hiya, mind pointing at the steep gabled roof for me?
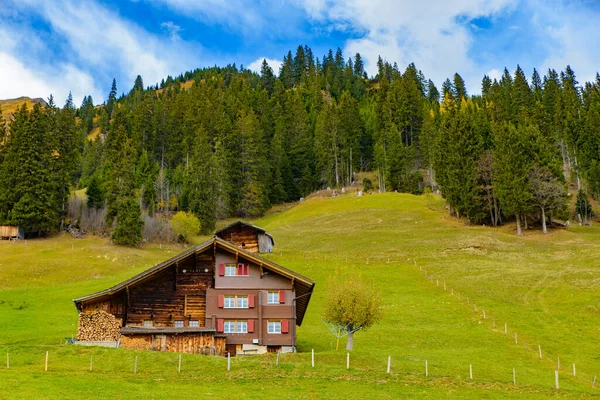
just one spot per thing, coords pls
(246, 224)
(303, 285)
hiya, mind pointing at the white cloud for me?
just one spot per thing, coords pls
(257, 64)
(406, 31)
(571, 35)
(172, 29)
(238, 14)
(19, 78)
(96, 44)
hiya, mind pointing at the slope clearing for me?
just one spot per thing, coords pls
(542, 286)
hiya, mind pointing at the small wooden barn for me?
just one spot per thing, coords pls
(211, 299)
(11, 232)
(247, 236)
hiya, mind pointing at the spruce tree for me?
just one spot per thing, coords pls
(512, 166)
(128, 231)
(112, 98)
(95, 194)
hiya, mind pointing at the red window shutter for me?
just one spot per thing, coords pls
(250, 326)
(220, 301)
(220, 325)
(281, 296)
(246, 269)
(221, 269)
(284, 326)
(250, 301)
(240, 269)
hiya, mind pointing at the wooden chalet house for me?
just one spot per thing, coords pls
(217, 297)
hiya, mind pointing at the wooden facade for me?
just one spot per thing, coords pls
(248, 237)
(11, 232)
(213, 297)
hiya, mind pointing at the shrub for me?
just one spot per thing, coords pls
(185, 225)
(367, 184)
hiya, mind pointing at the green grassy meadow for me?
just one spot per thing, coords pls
(544, 287)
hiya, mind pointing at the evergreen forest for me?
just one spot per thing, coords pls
(225, 142)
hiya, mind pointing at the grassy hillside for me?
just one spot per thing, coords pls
(10, 106)
(543, 286)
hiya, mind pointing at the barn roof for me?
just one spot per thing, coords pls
(246, 224)
(303, 285)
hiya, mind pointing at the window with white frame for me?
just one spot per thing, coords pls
(194, 324)
(148, 323)
(235, 326)
(273, 298)
(235, 302)
(229, 302)
(274, 327)
(178, 324)
(230, 270)
(241, 327)
(242, 301)
(229, 327)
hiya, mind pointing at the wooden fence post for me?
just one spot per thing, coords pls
(505, 329)
(228, 361)
(574, 371)
(514, 376)
(179, 365)
(389, 364)
(46, 363)
(348, 361)
(482, 310)
(313, 358)
(556, 379)
(516, 341)
(540, 351)
(594, 382)
(471, 371)
(558, 363)
(135, 365)
(426, 369)
(278, 353)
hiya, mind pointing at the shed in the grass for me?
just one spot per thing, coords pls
(11, 232)
(247, 236)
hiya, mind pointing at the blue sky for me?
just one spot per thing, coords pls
(55, 47)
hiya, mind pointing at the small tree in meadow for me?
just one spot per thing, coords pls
(584, 208)
(353, 304)
(185, 225)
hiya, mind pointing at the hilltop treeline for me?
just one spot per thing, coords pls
(223, 142)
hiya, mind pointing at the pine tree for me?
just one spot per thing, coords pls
(26, 191)
(512, 165)
(128, 230)
(95, 194)
(266, 76)
(254, 200)
(460, 89)
(112, 97)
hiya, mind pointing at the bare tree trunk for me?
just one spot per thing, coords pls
(350, 342)
(496, 213)
(519, 232)
(544, 221)
(337, 175)
(525, 220)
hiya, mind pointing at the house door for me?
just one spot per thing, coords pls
(160, 342)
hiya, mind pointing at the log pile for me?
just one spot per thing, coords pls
(98, 326)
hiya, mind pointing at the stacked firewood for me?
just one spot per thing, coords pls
(98, 326)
